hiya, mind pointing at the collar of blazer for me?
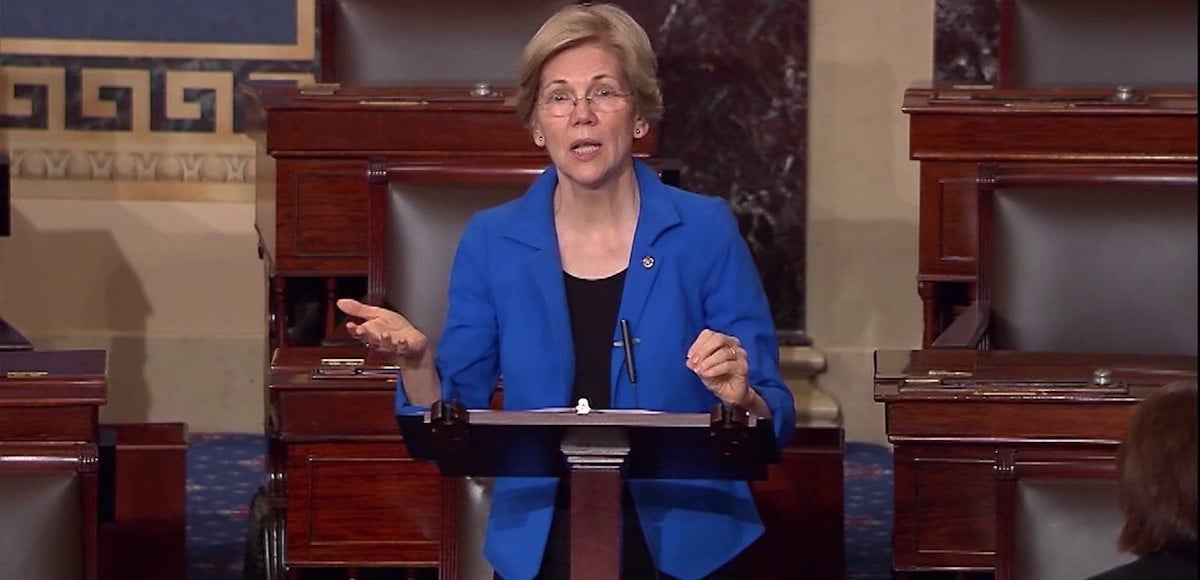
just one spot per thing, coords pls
(533, 222)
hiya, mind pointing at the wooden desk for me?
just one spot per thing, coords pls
(49, 413)
(952, 131)
(802, 505)
(343, 490)
(956, 416)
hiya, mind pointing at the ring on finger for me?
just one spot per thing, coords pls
(732, 353)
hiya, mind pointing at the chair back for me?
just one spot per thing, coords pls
(1097, 43)
(1066, 528)
(422, 227)
(448, 42)
(1057, 515)
(40, 525)
(1090, 262)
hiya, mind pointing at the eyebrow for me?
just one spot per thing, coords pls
(599, 77)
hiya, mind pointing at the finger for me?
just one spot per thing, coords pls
(711, 368)
(701, 347)
(350, 306)
(399, 343)
(415, 342)
(357, 309)
(715, 350)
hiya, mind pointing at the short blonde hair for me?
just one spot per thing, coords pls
(603, 24)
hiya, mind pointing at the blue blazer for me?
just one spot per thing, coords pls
(689, 269)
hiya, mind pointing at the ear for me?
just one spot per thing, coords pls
(539, 138)
(641, 128)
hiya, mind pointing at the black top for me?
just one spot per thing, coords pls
(593, 307)
(1155, 566)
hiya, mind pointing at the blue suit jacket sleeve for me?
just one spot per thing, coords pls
(736, 304)
(467, 359)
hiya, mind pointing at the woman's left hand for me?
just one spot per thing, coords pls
(720, 362)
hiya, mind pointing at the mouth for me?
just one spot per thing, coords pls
(585, 146)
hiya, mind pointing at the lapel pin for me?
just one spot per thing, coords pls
(648, 262)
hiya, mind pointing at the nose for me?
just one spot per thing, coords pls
(582, 112)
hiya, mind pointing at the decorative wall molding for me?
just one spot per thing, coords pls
(75, 165)
(115, 119)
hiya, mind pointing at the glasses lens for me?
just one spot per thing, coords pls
(561, 104)
(559, 108)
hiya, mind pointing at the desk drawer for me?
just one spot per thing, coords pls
(335, 413)
(48, 423)
(367, 503)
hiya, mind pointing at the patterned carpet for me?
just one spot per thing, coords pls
(224, 470)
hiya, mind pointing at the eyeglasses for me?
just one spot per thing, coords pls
(600, 99)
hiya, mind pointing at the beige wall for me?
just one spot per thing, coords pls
(862, 191)
(175, 290)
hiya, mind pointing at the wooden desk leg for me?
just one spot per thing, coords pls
(595, 524)
(595, 456)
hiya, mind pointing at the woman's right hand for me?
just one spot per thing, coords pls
(384, 330)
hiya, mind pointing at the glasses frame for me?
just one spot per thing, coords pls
(621, 97)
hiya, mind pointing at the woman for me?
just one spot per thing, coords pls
(542, 287)
(1156, 487)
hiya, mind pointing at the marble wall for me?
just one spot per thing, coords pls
(965, 40)
(735, 82)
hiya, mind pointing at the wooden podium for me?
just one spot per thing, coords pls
(596, 451)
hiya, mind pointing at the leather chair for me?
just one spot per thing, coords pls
(1098, 259)
(40, 526)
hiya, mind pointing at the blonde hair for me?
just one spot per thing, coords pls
(603, 24)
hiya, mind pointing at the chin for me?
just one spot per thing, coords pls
(591, 174)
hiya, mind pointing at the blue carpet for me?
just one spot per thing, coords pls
(224, 470)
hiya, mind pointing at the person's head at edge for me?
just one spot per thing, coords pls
(1156, 481)
(597, 62)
